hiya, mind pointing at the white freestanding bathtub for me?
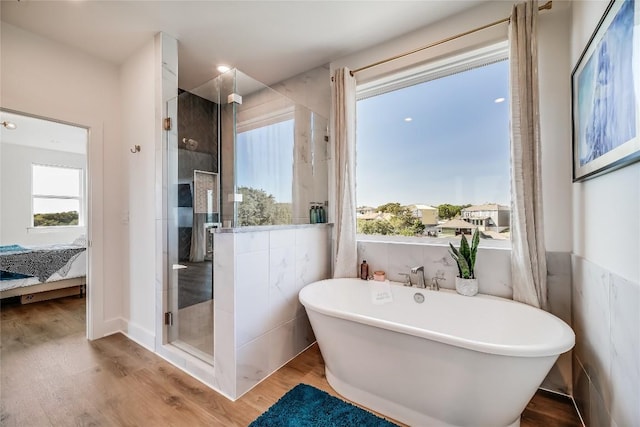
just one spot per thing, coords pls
(451, 360)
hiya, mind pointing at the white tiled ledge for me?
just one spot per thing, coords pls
(255, 228)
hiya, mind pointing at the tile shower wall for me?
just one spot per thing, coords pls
(256, 295)
(310, 90)
(311, 153)
(197, 121)
(606, 319)
(494, 271)
(311, 163)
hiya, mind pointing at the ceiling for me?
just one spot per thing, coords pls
(44, 134)
(268, 40)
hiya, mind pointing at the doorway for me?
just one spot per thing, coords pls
(44, 249)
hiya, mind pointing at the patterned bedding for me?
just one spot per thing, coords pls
(17, 262)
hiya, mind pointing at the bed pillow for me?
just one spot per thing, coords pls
(81, 241)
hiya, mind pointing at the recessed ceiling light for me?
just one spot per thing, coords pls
(408, 119)
(498, 100)
(223, 68)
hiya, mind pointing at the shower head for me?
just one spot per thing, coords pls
(190, 144)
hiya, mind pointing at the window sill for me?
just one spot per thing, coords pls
(55, 229)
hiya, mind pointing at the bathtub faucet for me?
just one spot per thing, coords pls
(435, 286)
(419, 271)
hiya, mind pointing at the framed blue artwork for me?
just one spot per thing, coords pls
(605, 91)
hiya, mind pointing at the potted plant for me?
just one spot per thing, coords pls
(465, 257)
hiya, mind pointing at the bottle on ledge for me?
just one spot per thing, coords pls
(364, 270)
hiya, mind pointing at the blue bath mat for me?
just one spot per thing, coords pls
(304, 405)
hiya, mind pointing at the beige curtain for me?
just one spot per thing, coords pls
(528, 262)
(343, 132)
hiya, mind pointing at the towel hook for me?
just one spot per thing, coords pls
(135, 149)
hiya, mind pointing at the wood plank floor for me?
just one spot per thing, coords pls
(52, 376)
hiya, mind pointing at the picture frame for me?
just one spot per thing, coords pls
(605, 95)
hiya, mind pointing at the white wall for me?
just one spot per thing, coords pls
(606, 277)
(138, 121)
(140, 111)
(44, 78)
(310, 89)
(606, 226)
(605, 209)
(555, 126)
(471, 18)
(15, 194)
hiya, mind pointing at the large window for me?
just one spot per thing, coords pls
(56, 196)
(433, 151)
(264, 176)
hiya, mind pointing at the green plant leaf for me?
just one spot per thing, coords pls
(464, 248)
(465, 257)
(474, 251)
(464, 269)
(456, 256)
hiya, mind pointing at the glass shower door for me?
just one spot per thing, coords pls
(193, 204)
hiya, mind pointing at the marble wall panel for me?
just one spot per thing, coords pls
(581, 390)
(269, 325)
(559, 288)
(625, 351)
(252, 363)
(283, 293)
(252, 295)
(606, 318)
(594, 346)
(224, 271)
(282, 346)
(493, 265)
(224, 358)
(302, 193)
(377, 256)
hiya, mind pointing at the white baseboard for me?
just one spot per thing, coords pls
(110, 327)
(140, 335)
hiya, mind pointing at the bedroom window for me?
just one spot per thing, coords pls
(56, 196)
(433, 151)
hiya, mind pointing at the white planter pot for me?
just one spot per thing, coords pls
(468, 287)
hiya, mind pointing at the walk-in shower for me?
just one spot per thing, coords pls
(240, 154)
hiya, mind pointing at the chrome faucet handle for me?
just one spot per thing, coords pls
(419, 271)
(434, 283)
(407, 279)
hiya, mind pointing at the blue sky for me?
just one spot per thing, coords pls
(454, 150)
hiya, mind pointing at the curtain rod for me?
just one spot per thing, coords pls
(547, 5)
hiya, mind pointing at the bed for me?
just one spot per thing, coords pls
(42, 272)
